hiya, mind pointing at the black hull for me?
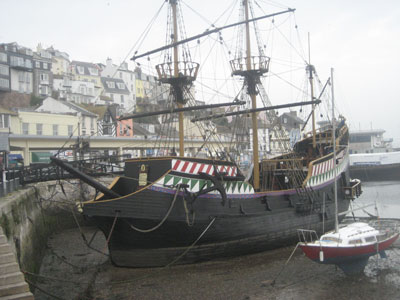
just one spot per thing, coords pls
(376, 173)
(243, 228)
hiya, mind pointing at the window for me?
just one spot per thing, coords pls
(28, 63)
(44, 77)
(360, 138)
(25, 128)
(92, 123)
(28, 77)
(3, 57)
(122, 98)
(112, 96)
(120, 74)
(120, 85)
(83, 122)
(4, 83)
(55, 129)
(37, 64)
(82, 89)
(4, 70)
(93, 71)
(21, 77)
(44, 90)
(370, 239)
(4, 121)
(354, 242)
(110, 84)
(70, 130)
(45, 66)
(80, 69)
(39, 129)
(17, 61)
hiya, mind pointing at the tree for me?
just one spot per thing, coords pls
(35, 100)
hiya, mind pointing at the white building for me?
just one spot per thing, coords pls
(111, 70)
(87, 119)
(116, 89)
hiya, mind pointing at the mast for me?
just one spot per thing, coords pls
(252, 93)
(176, 74)
(334, 153)
(311, 69)
(311, 78)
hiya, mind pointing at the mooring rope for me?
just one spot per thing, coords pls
(163, 220)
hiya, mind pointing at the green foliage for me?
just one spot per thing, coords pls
(35, 100)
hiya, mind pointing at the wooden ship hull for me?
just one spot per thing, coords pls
(170, 219)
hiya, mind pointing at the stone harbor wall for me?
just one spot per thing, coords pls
(30, 215)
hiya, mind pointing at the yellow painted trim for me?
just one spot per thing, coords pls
(110, 186)
(138, 191)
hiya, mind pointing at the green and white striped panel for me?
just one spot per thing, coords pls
(231, 187)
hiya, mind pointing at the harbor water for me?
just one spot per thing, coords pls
(71, 270)
(386, 195)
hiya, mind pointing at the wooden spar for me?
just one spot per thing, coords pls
(176, 74)
(320, 95)
(256, 166)
(175, 110)
(209, 32)
(310, 68)
(85, 178)
(248, 111)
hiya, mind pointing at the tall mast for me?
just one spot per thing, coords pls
(251, 68)
(176, 74)
(334, 153)
(311, 78)
(252, 93)
(311, 69)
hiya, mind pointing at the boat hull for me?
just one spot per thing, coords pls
(351, 259)
(241, 226)
(196, 209)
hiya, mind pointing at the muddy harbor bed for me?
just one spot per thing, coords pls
(70, 270)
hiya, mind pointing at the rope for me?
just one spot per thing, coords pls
(276, 277)
(188, 222)
(112, 230)
(84, 237)
(163, 220)
(192, 245)
(43, 291)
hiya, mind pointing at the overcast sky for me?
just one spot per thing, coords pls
(359, 39)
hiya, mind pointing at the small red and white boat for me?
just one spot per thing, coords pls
(349, 247)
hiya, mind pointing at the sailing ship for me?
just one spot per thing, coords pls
(180, 209)
(350, 246)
